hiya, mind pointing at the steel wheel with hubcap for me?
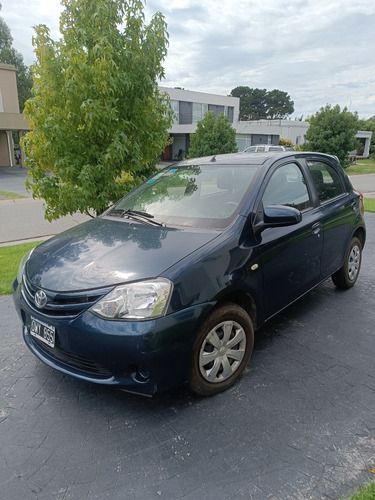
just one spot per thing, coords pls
(221, 351)
(347, 275)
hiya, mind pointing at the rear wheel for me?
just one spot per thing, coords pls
(221, 350)
(348, 274)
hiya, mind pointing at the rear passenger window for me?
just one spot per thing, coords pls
(327, 181)
(287, 187)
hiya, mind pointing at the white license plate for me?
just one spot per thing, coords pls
(42, 331)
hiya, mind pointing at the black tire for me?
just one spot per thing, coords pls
(347, 275)
(221, 350)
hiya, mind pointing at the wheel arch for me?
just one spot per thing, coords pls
(244, 300)
(360, 233)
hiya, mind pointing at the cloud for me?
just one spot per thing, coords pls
(319, 52)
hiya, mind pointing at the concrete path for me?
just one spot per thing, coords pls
(364, 183)
(23, 219)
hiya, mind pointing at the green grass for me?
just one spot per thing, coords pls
(10, 195)
(10, 258)
(362, 167)
(369, 207)
(364, 493)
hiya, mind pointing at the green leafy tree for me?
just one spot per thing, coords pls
(252, 102)
(279, 104)
(332, 131)
(213, 136)
(98, 121)
(256, 104)
(286, 142)
(9, 55)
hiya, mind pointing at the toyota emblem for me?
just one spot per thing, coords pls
(40, 299)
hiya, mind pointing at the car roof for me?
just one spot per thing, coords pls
(265, 146)
(244, 158)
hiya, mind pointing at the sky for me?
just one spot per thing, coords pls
(318, 51)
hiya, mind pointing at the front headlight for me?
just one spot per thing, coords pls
(22, 265)
(141, 300)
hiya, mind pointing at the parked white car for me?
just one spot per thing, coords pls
(261, 148)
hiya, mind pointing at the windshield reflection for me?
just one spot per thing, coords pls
(206, 196)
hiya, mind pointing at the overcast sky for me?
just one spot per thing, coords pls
(318, 51)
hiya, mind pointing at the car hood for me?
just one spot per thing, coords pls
(105, 252)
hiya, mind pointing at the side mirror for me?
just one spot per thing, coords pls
(280, 215)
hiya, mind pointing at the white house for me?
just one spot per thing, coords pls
(189, 108)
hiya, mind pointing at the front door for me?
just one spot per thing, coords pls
(290, 255)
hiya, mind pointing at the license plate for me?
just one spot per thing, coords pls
(43, 332)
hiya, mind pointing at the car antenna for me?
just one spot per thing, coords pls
(213, 158)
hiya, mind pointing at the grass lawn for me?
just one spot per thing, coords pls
(10, 258)
(369, 204)
(362, 167)
(10, 195)
(364, 493)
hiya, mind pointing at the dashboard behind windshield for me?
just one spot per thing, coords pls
(191, 195)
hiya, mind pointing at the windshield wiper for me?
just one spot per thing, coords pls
(136, 215)
(137, 212)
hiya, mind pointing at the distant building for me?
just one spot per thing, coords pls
(189, 108)
(11, 120)
(269, 132)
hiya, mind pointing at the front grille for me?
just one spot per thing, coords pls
(62, 303)
(73, 360)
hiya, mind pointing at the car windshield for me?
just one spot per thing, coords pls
(189, 195)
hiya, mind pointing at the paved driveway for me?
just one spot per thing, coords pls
(300, 424)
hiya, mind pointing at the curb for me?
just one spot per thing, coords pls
(9, 201)
(28, 240)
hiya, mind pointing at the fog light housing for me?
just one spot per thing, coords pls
(141, 374)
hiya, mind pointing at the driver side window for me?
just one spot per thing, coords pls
(287, 186)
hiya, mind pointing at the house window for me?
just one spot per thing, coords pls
(1, 102)
(176, 110)
(199, 110)
(243, 141)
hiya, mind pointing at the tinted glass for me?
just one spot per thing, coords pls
(198, 195)
(327, 181)
(287, 186)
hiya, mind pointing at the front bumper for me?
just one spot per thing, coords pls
(138, 356)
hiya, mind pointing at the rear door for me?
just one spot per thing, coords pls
(337, 208)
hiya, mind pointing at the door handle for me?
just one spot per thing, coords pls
(316, 228)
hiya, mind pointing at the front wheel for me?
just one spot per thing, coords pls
(347, 275)
(221, 350)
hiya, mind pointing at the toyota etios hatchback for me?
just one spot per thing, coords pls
(169, 284)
